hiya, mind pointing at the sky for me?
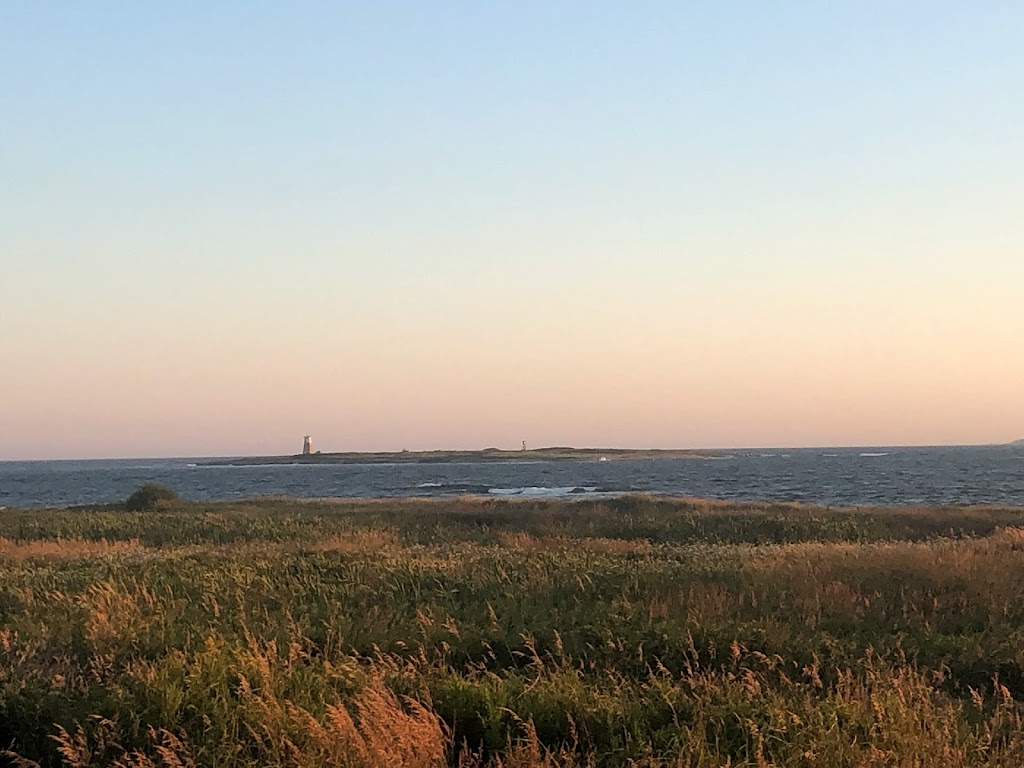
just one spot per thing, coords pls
(462, 224)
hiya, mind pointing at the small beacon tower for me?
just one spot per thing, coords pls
(307, 445)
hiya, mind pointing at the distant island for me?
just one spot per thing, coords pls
(1018, 442)
(487, 455)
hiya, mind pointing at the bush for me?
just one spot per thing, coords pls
(149, 497)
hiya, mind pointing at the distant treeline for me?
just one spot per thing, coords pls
(482, 456)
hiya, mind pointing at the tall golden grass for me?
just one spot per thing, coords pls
(502, 636)
(64, 548)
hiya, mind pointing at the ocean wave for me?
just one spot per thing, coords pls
(873, 455)
(268, 465)
(434, 488)
(451, 489)
(540, 490)
(222, 466)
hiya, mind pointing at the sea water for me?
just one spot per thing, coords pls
(828, 476)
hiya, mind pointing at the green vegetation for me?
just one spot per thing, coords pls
(633, 631)
(150, 497)
(484, 456)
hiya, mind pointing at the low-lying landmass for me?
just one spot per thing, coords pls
(633, 631)
(483, 456)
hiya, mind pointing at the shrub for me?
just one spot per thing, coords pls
(149, 497)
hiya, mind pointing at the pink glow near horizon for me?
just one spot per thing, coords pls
(751, 373)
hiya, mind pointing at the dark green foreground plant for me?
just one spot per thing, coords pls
(151, 497)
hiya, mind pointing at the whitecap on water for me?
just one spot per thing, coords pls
(539, 490)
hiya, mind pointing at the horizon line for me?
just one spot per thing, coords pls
(845, 446)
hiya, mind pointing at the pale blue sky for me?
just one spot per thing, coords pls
(225, 224)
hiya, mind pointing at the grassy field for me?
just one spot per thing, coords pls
(633, 631)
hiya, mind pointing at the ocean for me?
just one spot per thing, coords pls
(826, 476)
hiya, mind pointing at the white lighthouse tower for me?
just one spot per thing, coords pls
(307, 445)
